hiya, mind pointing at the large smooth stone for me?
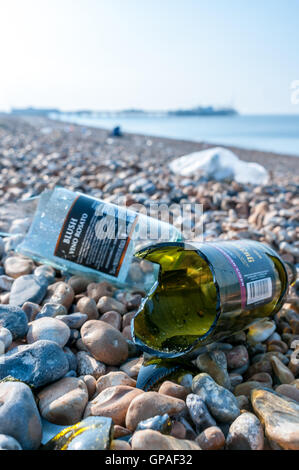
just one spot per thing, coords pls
(64, 401)
(154, 440)
(280, 417)
(113, 402)
(28, 288)
(150, 404)
(36, 364)
(221, 403)
(104, 342)
(245, 433)
(19, 416)
(50, 329)
(15, 320)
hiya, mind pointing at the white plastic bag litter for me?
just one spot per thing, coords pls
(219, 163)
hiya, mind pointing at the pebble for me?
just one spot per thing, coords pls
(104, 342)
(9, 443)
(88, 365)
(118, 444)
(90, 383)
(288, 391)
(294, 362)
(260, 331)
(36, 364)
(31, 309)
(245, 433)
(132, 367)
(71, 357)
(64, 401)
(113, 402)
(246, 388)
(63, 294)
(5, 337)
(14, 319)
(237, 357)
(6, 282)
(126, 332)
(96, 290)
(28, 288)
(235, 379)
(211, 438)
(120, 431)
(154, 440)
(45, 271)
(127, 318)
(112, 318)
(113, 379)
(48, 328)
(150, 404)
(16, 266)
(280, 418)
(282, 372)
(88, 307)
(78, 284)
(199, 412)
(243, 402)
(2, 247)
(73, 320)
(19, 416)
(178, 430)
(106, 304)
(221, 403)
(215, 364)
(173, 390)
(262, 377)
(51, 310)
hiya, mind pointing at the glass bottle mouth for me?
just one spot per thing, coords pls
(183, 306)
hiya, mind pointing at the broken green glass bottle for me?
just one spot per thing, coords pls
(206, 292)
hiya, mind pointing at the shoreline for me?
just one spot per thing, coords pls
(283, 163)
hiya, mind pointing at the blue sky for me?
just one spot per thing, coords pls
(154, 54)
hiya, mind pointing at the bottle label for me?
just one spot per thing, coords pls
(96, 235)
(244, 272)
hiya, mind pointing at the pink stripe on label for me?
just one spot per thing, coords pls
(239, 276)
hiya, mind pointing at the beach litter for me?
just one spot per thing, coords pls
(220, 164)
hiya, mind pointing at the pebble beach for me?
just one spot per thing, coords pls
(66, 351)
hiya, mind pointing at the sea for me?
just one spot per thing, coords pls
(271, 133)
